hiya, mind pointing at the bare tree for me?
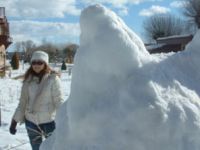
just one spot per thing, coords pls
(162, 26)
(69, 52)
(28, 48)
(51, 49)
(192, 11)
(18, 46)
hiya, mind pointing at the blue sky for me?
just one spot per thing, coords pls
(57, 21)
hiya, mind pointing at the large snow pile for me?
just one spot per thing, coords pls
(122, 98)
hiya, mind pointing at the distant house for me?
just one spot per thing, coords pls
(5, 39)
(169, 44)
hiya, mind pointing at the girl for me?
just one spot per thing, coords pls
(40, 97)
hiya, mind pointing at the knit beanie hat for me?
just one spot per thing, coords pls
(40, 55)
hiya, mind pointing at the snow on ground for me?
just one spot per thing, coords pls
(10, 93)
(123, 98)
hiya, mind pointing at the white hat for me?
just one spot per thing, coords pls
(40, 55)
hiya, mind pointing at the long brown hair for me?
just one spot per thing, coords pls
(46, 70)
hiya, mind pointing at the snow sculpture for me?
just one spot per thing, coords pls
(122, 98)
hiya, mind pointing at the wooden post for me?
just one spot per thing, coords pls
(2, 60)
(4, 55)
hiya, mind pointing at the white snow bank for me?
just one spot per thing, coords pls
(122, 98)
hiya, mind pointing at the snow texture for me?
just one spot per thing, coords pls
(123, 98)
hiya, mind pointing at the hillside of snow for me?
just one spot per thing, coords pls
(123, 98)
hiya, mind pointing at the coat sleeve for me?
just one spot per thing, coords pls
(19, 114)
(57, 94)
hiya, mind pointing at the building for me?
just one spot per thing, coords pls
(5, 40)
(169, 44)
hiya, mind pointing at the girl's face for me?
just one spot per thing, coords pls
(38, 65)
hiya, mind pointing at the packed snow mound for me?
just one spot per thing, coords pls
(194, 43)
(100, 24)
(122, 98)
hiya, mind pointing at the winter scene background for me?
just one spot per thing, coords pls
(119, 97)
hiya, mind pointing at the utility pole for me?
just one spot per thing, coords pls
(4, 69)
(24, 56)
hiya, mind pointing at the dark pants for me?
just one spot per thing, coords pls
(37, 132)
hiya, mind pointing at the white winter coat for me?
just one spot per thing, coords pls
(38, 102)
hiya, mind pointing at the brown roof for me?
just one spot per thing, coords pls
(170, 44)
(182, 39)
